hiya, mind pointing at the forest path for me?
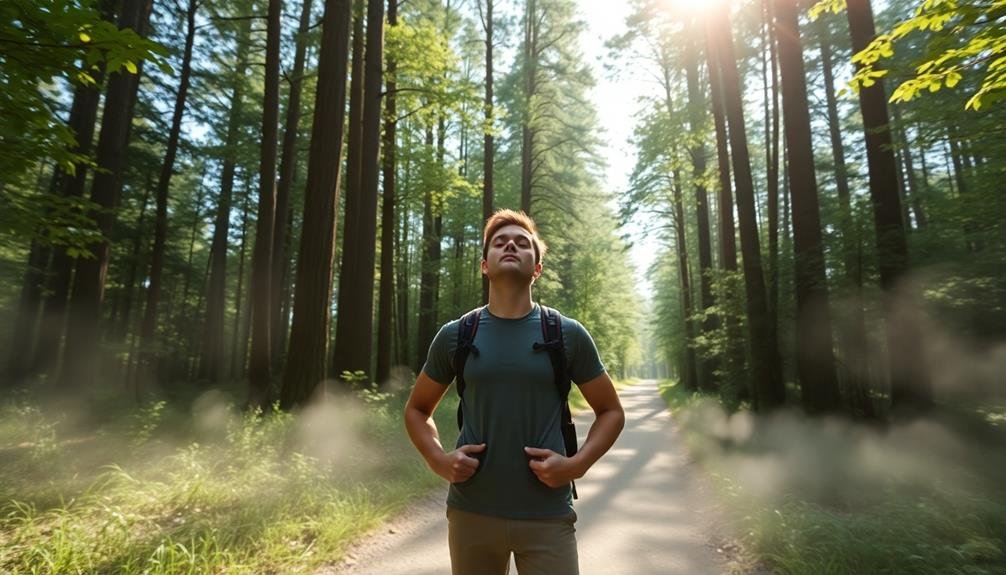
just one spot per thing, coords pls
(642, 509)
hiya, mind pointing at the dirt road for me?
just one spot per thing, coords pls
(642, 510)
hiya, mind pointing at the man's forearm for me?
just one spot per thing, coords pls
(423, 433)
(602, 435)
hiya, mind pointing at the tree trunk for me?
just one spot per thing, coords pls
(305, 366)
(149, 346)
(725, 210)
(385, 308)
(351, 238)
(354, 329)
(239, 353)
(912, 191)
(26, 319)
(772, 171)
(487, 139)
(402, 289)
(852, 324)
(768, 386)
(697, 152)
(429, 269)
(89, 285)
(815, 358)
(910, 384)
(530, 89)
(287, 173)
(212, 353)
(690, 373)
(262, 297)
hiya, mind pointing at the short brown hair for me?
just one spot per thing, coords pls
(507, 217)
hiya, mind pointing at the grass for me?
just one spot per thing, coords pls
(168, 490)
(858, 522)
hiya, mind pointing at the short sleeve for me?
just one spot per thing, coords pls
(440, 358)
(584, 362)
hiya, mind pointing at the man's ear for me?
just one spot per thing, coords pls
(484, 266)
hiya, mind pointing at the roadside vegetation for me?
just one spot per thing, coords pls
(166, 488)
(834, 497)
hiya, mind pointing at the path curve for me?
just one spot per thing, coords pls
(642, 510)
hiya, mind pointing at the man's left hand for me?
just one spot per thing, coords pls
(551, 468)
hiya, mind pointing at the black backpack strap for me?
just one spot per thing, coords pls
(551, 330)
(467, 327)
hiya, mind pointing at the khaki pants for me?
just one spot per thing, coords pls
(481, 544)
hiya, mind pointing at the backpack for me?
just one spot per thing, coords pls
(551, 330)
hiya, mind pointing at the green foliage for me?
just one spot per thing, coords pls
(961, 38)
(889, 522)
(260, 494)
(47, 44)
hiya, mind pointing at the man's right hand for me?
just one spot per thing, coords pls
(459, 465)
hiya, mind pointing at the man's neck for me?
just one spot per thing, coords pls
(509, 302)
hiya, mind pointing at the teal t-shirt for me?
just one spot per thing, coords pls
(511, 402)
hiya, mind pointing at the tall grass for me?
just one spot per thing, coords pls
(165, 491)
(947, 515)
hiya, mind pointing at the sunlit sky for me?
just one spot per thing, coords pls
(615, 102)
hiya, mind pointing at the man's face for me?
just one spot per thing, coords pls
(511, 252)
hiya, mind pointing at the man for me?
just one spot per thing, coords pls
(510, 479)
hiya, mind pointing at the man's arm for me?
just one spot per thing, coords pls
(555, 470)
(455, 466)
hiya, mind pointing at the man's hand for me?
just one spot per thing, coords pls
(551, 468)
(459, 465)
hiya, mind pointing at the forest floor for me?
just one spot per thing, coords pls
(644, 508)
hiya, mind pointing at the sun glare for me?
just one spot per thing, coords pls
(691, 7)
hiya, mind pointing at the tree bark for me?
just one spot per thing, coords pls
(212, 353)
(910, 384)
(429, 270)
(772, 170)
(287, 174)
(351, 238)
(487, 139)
(89, 285)
(697, 152)
(851, 325)
(815, 358)
(768, 388)
(149, 346)
(305, 366)
(262, 297)
(690, 372)
(530, 72)
(354, 328)
(239, 353)
(725, 210)
(385, 333)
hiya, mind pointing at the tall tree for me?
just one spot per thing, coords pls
(150, 314)
(487, 138)
(287, 173)
(697, 152)
(89, 280)
(305, 366)
(910, 383)
(768, 386)
(385, 307)
(351, 238)
(212, 352)
(814, 355)
(354, 335)
(262, 297)
(772, 161)
(530, 78)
